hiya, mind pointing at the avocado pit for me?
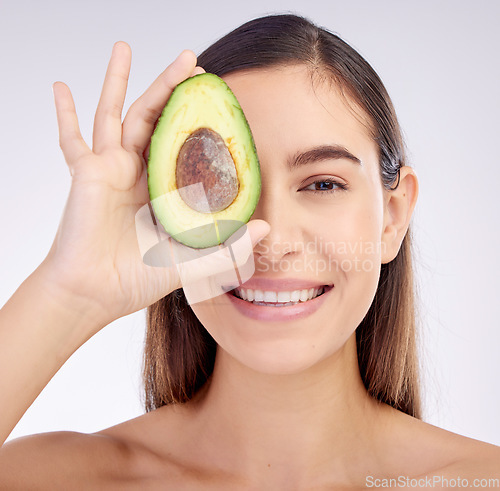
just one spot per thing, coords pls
(204, 158)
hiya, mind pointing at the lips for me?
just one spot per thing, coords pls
(279, 311)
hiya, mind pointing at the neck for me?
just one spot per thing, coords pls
(300, 423)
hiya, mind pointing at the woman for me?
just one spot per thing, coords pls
(317, 394)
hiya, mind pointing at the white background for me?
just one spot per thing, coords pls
(440, 63)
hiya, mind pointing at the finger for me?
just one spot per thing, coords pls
(242, 245)
(146, 153)
(142, 116)
(70, 137)
(108, 117)
(197, 71)
(194, 265)
(258, 229)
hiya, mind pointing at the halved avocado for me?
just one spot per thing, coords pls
(203, 139)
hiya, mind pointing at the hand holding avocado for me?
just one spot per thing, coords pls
(94, 272)
(95, 257)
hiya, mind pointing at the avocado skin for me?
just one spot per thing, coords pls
(202, 101)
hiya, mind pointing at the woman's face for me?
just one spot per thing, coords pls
(323, 198)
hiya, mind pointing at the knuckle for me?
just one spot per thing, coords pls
(108, 110)
(150, 115)
(122, 76)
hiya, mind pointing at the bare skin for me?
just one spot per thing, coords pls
(306, 422)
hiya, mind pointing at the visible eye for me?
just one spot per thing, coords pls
(325, 186)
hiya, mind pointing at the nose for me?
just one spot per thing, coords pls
(276, 208)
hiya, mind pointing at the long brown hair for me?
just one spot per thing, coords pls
(179, 353)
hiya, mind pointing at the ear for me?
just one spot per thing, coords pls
(398, 209)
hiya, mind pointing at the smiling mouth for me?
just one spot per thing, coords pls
(279, 299)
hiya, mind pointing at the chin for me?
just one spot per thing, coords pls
(274, 348)
(276, 362)
(285, 356)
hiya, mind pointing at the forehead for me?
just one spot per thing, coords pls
(289, 109)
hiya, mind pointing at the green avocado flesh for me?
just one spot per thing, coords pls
(203, 172)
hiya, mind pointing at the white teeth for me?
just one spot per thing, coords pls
(259, 295)
(271, 297)
(284, 297)
(289, 298)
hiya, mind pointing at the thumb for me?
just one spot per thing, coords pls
(235, 251)
(258, 229)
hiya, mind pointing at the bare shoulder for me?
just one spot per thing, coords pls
(448, 454)
(475, 460)
(129, 455)
(476, 464)
(63, 460)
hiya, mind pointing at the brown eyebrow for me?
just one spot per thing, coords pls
(317, 154)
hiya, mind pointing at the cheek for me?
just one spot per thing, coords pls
(359, 256)
(349, 230)
(350, 249)
(214, 315)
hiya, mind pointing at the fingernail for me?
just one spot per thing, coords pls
(183, 53)
(53, 87)
(179, 56)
